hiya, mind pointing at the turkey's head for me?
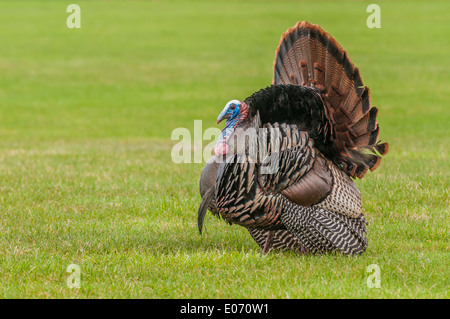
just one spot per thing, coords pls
(235, 112)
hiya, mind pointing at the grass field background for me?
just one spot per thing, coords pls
(86, 175)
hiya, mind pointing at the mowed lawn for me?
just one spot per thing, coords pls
(86, 175)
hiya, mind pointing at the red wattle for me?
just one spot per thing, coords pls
(221, 149)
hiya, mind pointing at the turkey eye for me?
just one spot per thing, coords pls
(232, 107)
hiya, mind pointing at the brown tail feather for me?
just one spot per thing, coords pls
(367, 123)
(309, 56)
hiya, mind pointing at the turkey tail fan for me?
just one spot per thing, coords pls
(309, 56)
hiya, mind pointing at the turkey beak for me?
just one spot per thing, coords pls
(222, 117)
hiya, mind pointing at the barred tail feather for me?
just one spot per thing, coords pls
(321, 230)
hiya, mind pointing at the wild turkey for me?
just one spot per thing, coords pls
(316, 127)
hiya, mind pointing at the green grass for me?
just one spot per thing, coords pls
(86, 175)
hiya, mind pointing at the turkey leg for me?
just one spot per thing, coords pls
(268, 243)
